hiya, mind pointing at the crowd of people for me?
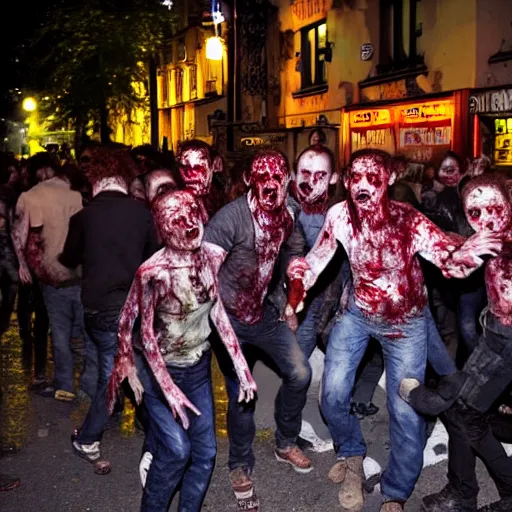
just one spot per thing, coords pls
(141, 264)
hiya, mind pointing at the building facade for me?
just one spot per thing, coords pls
(399, 75)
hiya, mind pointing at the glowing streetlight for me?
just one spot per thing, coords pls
(214, 48)
(29, 104)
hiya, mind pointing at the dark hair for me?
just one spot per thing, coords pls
(486, 180)
(456, 157)
(40, 161)
(6, 161)
(109, 161)
(381, 156)
(321, 135)
(319, 150)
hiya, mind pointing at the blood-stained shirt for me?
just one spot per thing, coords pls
(387, 278)
(498, 281)
(246, 273)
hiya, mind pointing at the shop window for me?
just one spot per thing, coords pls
(399, 33)
(179, 85)
(314, 49)
(213, 77)
(503, 141)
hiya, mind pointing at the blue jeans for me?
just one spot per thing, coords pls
(65, 312)
(275, 339)
(179, 455)
(308, 328)
(471, 305)
(97, 417)
(404, 357)
(438, 355)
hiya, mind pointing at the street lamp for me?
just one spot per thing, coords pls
(214, 49)
(29, 104)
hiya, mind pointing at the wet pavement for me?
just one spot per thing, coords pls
(36, 445)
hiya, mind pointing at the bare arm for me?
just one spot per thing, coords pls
(303, 272)
(20, 229)
(230, 341)
(124, 365)
(455, 256)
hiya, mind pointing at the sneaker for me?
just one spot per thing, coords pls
(392, 506)
(89, 452)
(361, 410)
(8, 482)
(64, 396)
(244, 490)
(144, 465)
(448, 500)
(503, 505)
(295, 457)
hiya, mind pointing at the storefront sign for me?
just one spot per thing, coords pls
(305, 9)
(370, 117)
(262, 141)
(373, 138)
(491, 101)
(427, 112)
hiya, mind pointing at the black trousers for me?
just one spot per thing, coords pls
(489, 370)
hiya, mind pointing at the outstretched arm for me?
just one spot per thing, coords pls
(230, 341)
(124, 365)
(455, 257)
(174, 396)
(303, 272)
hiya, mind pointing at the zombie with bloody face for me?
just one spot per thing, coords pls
(197, 165)
(247, 235)
(468, 396)
(382, 239)
(175, 294)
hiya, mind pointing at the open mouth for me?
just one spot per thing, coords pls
(305, 189)
(363, 196)
(270, 194)
(192, 234)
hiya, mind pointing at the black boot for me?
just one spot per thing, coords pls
(448, 500)
(503, 505)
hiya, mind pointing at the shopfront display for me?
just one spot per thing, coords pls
(492, 124)
(421, 131)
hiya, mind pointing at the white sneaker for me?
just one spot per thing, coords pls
(144, 465)
(318, 445)
(89, 452)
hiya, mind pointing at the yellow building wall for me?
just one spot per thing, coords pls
(448, 42)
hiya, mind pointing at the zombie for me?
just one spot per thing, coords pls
(197, 165)
(382, 239)
(175, 294)
(467, 398)
(246, 235)
(109, 238)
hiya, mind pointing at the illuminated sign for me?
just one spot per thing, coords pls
(427, 112)
(491, 101)
(304, 9)
(370, 117)
(262, 141)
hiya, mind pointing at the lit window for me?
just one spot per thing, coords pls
(313, 50)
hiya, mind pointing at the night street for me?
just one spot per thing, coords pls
(54, 479)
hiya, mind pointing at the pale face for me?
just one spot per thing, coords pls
(137, 190)
(367, 183)
(158, 182)
(487, 209)
(449, 173)
(314, 175)
(269, 181)
(196, 170)
(178, 219)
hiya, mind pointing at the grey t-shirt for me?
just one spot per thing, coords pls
(232, 228)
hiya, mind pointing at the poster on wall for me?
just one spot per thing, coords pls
(424, 144)
(373, 138)
(503, 141)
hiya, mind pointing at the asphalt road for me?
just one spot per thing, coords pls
(55, 480)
